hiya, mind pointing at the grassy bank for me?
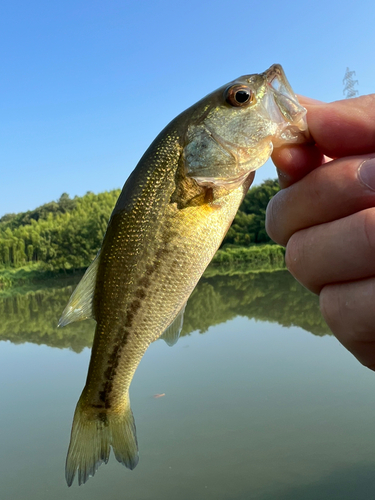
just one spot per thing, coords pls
(36, 277)
(255, 257)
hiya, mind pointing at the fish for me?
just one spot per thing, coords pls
(170, 218)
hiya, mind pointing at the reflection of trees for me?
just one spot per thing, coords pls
(33, 317)
(267, 296)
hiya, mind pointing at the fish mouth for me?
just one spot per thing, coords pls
(284, 107)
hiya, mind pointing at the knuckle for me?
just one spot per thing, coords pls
(347, 313)
(331, 306)
(270, 223)
(294, 254)
(315, 188)
(301, 262)
(368, 228)
(340, 312)
(273, 223)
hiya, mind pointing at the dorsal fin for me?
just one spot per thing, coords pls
(80, 303)
(172, 333)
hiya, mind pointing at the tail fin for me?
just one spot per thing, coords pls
(91, 438)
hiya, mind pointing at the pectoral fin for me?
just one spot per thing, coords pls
(172, 333)
(80, 303)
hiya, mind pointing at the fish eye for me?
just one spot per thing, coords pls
(239, 95)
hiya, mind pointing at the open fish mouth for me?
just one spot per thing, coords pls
(283, 106)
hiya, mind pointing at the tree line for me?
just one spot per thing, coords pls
(60, 235)
(66, 234)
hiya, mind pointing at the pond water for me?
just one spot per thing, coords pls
(259, 401)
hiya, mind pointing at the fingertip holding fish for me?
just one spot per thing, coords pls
(293, 162)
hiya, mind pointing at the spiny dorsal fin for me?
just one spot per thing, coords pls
(80, 303)
(172, 333)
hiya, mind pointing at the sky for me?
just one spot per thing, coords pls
(86, 85)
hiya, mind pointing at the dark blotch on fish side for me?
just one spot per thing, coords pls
(145, 282)
(113, 362)
(102, 416)
(133, 308)
(122, 335)
(140, 293)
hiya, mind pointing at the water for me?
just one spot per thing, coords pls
(260, 401)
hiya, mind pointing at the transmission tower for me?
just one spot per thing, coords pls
(349, 90)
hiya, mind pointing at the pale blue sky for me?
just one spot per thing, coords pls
(85, 85)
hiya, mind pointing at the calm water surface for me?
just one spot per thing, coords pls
(260, 401)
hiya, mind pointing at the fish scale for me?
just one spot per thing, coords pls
(169, 220)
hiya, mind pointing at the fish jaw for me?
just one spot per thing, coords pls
(283, 107)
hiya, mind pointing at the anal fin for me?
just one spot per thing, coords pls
(172, 333)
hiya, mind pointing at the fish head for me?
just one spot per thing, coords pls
(234, 130)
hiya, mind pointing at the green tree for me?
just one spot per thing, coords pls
(248, 226)
(67, 233)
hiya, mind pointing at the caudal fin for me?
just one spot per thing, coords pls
(91, 440)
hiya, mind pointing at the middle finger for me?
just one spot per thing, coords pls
(337, 251)
(334, 190)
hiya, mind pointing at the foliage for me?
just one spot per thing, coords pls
(248, 226)
(256, 257)
(61, 235)
(67, 234)
(63, 205)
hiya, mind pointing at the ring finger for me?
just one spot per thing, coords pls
(337, 251)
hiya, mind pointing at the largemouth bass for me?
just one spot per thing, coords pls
(170, 218)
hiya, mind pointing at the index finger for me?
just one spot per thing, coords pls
(341, 128)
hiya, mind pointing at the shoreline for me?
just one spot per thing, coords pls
(228, 260)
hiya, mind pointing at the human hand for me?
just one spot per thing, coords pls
(325, 215)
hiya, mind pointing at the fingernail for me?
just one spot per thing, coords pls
(366, 173)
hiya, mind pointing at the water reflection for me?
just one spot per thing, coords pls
(219, 296)
(252, 410)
